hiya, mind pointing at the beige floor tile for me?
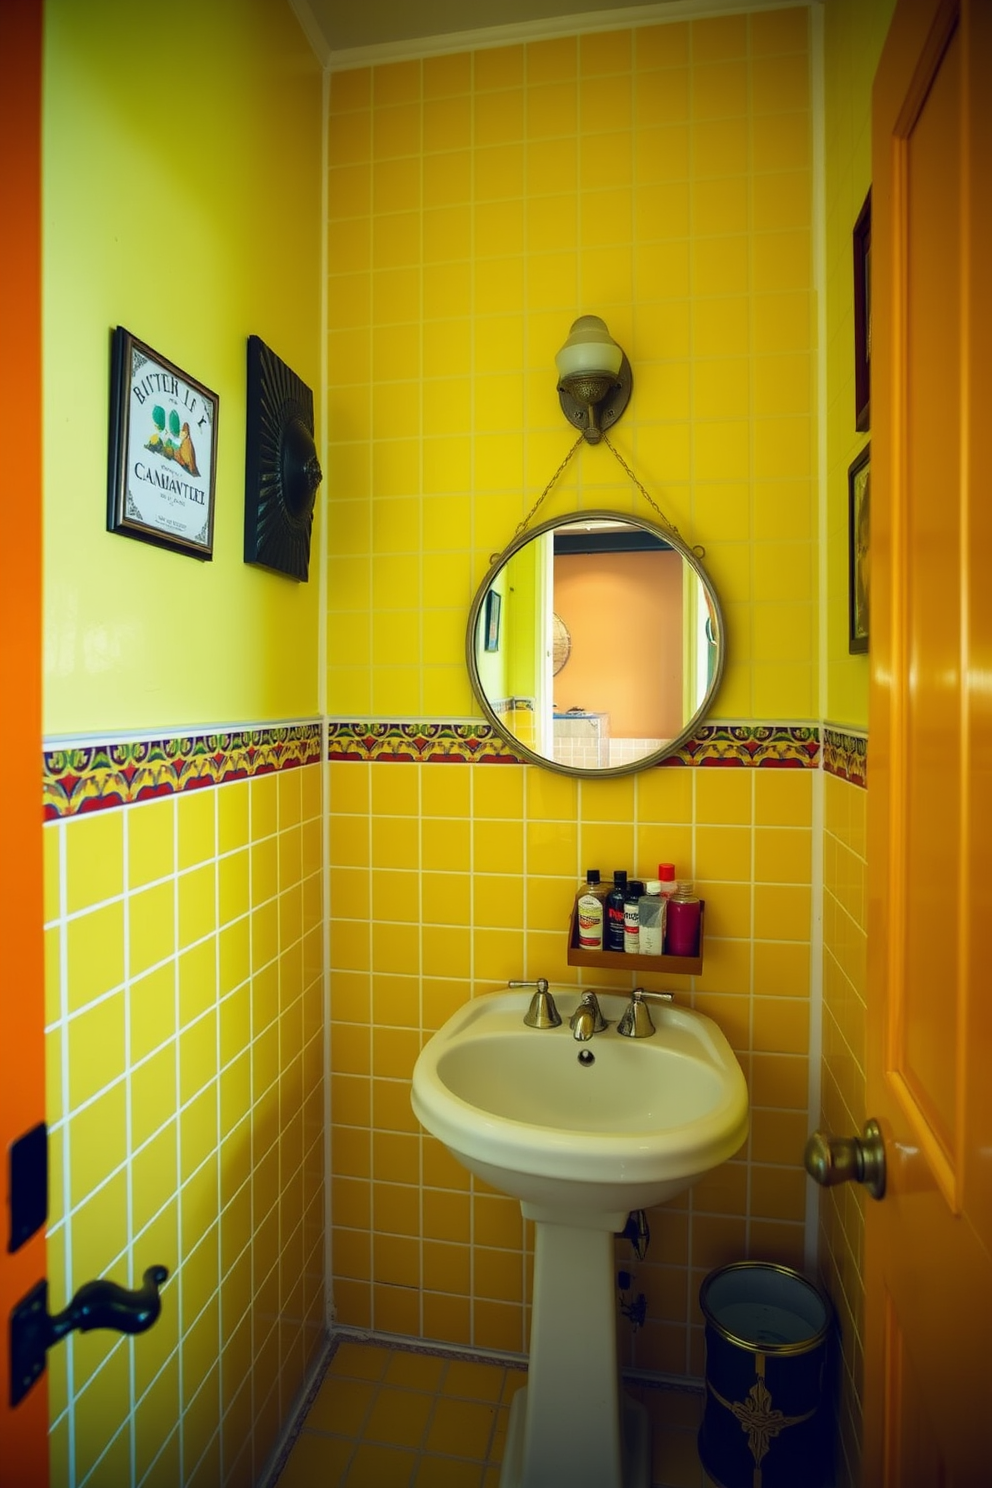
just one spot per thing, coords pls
(448, 1472)
(398, 1418)
(341, 1405)
(467, 1380)
(461, 1428)
(415, 1371)
(380, 1467)
(316, 1459)
(360, 1360)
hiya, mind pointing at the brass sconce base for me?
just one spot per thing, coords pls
(593, 403)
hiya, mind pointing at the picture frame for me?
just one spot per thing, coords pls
(494, 605)
(162, 466)
(862, 318)
(859, 551)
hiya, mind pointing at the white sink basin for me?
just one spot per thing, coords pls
(634, 1127)
(581, 1133)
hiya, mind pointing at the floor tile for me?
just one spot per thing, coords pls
(316, 1459)
(461, 1428)
(341, 1405)
(398, 1418)
(405, 1417)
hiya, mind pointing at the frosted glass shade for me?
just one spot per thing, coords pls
(589, 349)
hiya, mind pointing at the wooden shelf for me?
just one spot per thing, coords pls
(622, 961)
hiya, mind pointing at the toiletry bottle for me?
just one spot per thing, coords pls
(666, 877)
(682, 935)
(589, 911)
(651, 914)
(631, 920)
(613, 932)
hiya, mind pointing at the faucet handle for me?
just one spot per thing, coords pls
(591, 1001)
(542, 1012)
(636, 1021)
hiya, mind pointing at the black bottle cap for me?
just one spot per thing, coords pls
(619, 877)
(592, 875)
(635, 888)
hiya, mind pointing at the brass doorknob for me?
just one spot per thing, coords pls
(831, 1160)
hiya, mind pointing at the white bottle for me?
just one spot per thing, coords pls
(651, 913)
(589, 912)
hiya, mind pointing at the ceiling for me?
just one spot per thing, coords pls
(343, 26)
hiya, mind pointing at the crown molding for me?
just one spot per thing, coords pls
(484, 38)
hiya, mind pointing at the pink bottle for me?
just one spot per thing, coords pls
(682, 917)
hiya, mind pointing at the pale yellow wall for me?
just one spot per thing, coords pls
(478, 203)
(184, 997)
(854, 31)
(853, 34)
(181, 200)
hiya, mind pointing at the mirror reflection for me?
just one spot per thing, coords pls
(595, 643)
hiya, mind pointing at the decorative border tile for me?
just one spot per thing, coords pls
(419, 743)
(846, 756)
(774, 746)
(96, 777)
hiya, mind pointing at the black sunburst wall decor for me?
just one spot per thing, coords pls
(282, 472)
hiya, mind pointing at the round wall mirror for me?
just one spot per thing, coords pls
(645, 643)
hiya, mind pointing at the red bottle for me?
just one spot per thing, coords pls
(682, 922)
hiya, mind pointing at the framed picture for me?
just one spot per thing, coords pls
(862, 317)
(494, 603)
(163, 451)
(859, 551)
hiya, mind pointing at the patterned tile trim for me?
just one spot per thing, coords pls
(419, 743)
(846, 756)
(95, 777)
(774, 746)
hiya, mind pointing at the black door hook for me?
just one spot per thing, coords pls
(97, 1304)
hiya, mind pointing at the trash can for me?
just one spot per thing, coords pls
(765, 1424)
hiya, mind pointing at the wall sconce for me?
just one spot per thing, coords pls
(594, 378)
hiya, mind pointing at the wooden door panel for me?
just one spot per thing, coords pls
(913, 1457)
(924, 1052)
(928, 1244)
(23, 1429)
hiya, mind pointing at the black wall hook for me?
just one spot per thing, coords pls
(97, 1304)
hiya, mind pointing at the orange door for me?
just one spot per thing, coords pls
(928, 1244)
(23, 1430)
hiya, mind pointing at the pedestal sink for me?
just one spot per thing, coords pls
(581, 1133)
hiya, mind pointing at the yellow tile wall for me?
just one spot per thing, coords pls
(843, 1089)
(448, 880)
(854, 31)
(185, 1049)
(661, 177)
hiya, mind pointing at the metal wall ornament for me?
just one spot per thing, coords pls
(162, 451)
(282, 472)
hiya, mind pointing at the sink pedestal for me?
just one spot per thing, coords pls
(571, 1424)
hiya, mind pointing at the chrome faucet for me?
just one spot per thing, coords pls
(542, 1012)
(587, 1018)
(636, 1020)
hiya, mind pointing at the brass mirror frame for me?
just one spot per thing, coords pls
(673, 540)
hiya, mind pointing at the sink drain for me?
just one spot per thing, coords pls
(587, 1057)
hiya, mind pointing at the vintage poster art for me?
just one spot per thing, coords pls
(163, 451)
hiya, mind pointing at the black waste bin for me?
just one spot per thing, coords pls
(766, 1424)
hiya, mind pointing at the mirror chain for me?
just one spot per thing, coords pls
(521, 526)
(699, 550)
